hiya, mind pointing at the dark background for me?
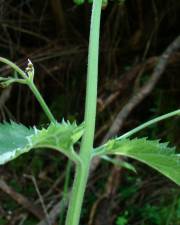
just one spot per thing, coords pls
(54, 35)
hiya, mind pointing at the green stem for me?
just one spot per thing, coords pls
(92, 79)
(150, 122)
(14, 66)
(41, 101)
(65, 191)
(31, 86)
(82, 169)
(77, 195)
(101, 149)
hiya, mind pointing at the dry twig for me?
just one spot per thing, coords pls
(20, 199)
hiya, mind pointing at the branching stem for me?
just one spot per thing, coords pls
(82, 169)
(14, 66)
(32, 86)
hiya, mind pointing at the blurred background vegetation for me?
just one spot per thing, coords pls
(54, 35)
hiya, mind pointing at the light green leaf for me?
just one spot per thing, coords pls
(153, 153)
(16, 139)
(13, 140)
(59, 136)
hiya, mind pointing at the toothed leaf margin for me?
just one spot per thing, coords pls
(153, 153)
(16, 139)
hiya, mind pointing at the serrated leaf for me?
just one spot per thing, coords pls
(59, 136)
(153, 153)
(16, 139)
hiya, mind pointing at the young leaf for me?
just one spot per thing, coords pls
(16, 139)
(59, 136)
(157, 155)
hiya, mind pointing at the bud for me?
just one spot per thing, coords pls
(30, 65)
(30, 69)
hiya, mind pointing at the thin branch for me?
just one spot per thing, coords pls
(137, 98)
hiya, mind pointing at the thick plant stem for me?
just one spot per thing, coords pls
(92, 80)
(82, 169)
(41, 101)
(77, 195)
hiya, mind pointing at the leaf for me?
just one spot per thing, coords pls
(16, 139)
(57, 136)
(13, 140)
(153, 153)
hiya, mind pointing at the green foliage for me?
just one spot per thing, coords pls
(122, 220)
(13, 138)
(78, 2)
(153, 153)
(152, 214)
(158, 214)
(57, 136)
(16, 139)
(153, 208)
(3, 221)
